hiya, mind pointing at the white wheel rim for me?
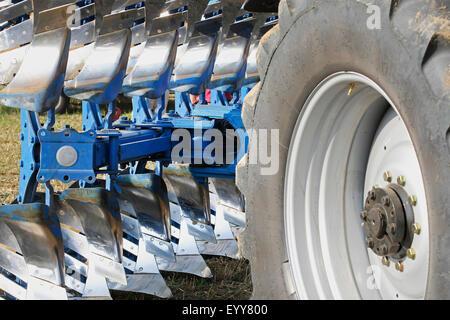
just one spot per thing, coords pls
(336, 155)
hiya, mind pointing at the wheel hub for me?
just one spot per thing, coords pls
(387, 219)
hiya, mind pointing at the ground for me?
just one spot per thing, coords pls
(231, 277)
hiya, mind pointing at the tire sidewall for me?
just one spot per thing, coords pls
(324, 41)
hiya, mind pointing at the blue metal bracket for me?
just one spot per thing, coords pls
(92, 116)
(53, 144)
(29, 165)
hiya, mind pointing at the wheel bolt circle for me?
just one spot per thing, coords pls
(411, 253)
(416, 228)
(412, 200)
(399, 266)
(401, 180)
(387, 176)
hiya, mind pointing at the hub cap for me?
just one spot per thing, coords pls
(388, 222)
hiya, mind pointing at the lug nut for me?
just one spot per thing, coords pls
(372, 194)
(401, 180)
(412, 200)
(387, 176)
(416, 228)
(411, 253)
(386, 261)
(384, 249)
(386, 201)
(399, 266)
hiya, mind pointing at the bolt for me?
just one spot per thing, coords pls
(386, 261)
(392, 228)
(372, 194)
(384, 249)
(386, 201)
(363, 215)
(401, 180)
(416, 228)
(411, 253)
(387, 176)
(369, 243)
(412, 200)
(399, 266)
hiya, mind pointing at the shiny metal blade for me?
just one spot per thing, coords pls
(226, 241)
(98, 213)
(81, 275)
(32, 238)
(149, 283)
(147, 194)
(143, 273)
(195, 11)
(188, 258)
(144, 197)
(41, 74)
(227, 193)
(11, 62)
(193, 264)
(193, 198)
(229, 196)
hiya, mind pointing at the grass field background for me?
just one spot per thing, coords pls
(231, 280)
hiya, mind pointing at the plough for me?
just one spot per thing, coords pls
(309, 136)
(120, 223)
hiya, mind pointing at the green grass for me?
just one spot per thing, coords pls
(231, 281)
(231, 278)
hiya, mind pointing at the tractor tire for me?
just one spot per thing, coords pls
(405, 57)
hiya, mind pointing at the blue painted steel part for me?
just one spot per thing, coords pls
(103, 146)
